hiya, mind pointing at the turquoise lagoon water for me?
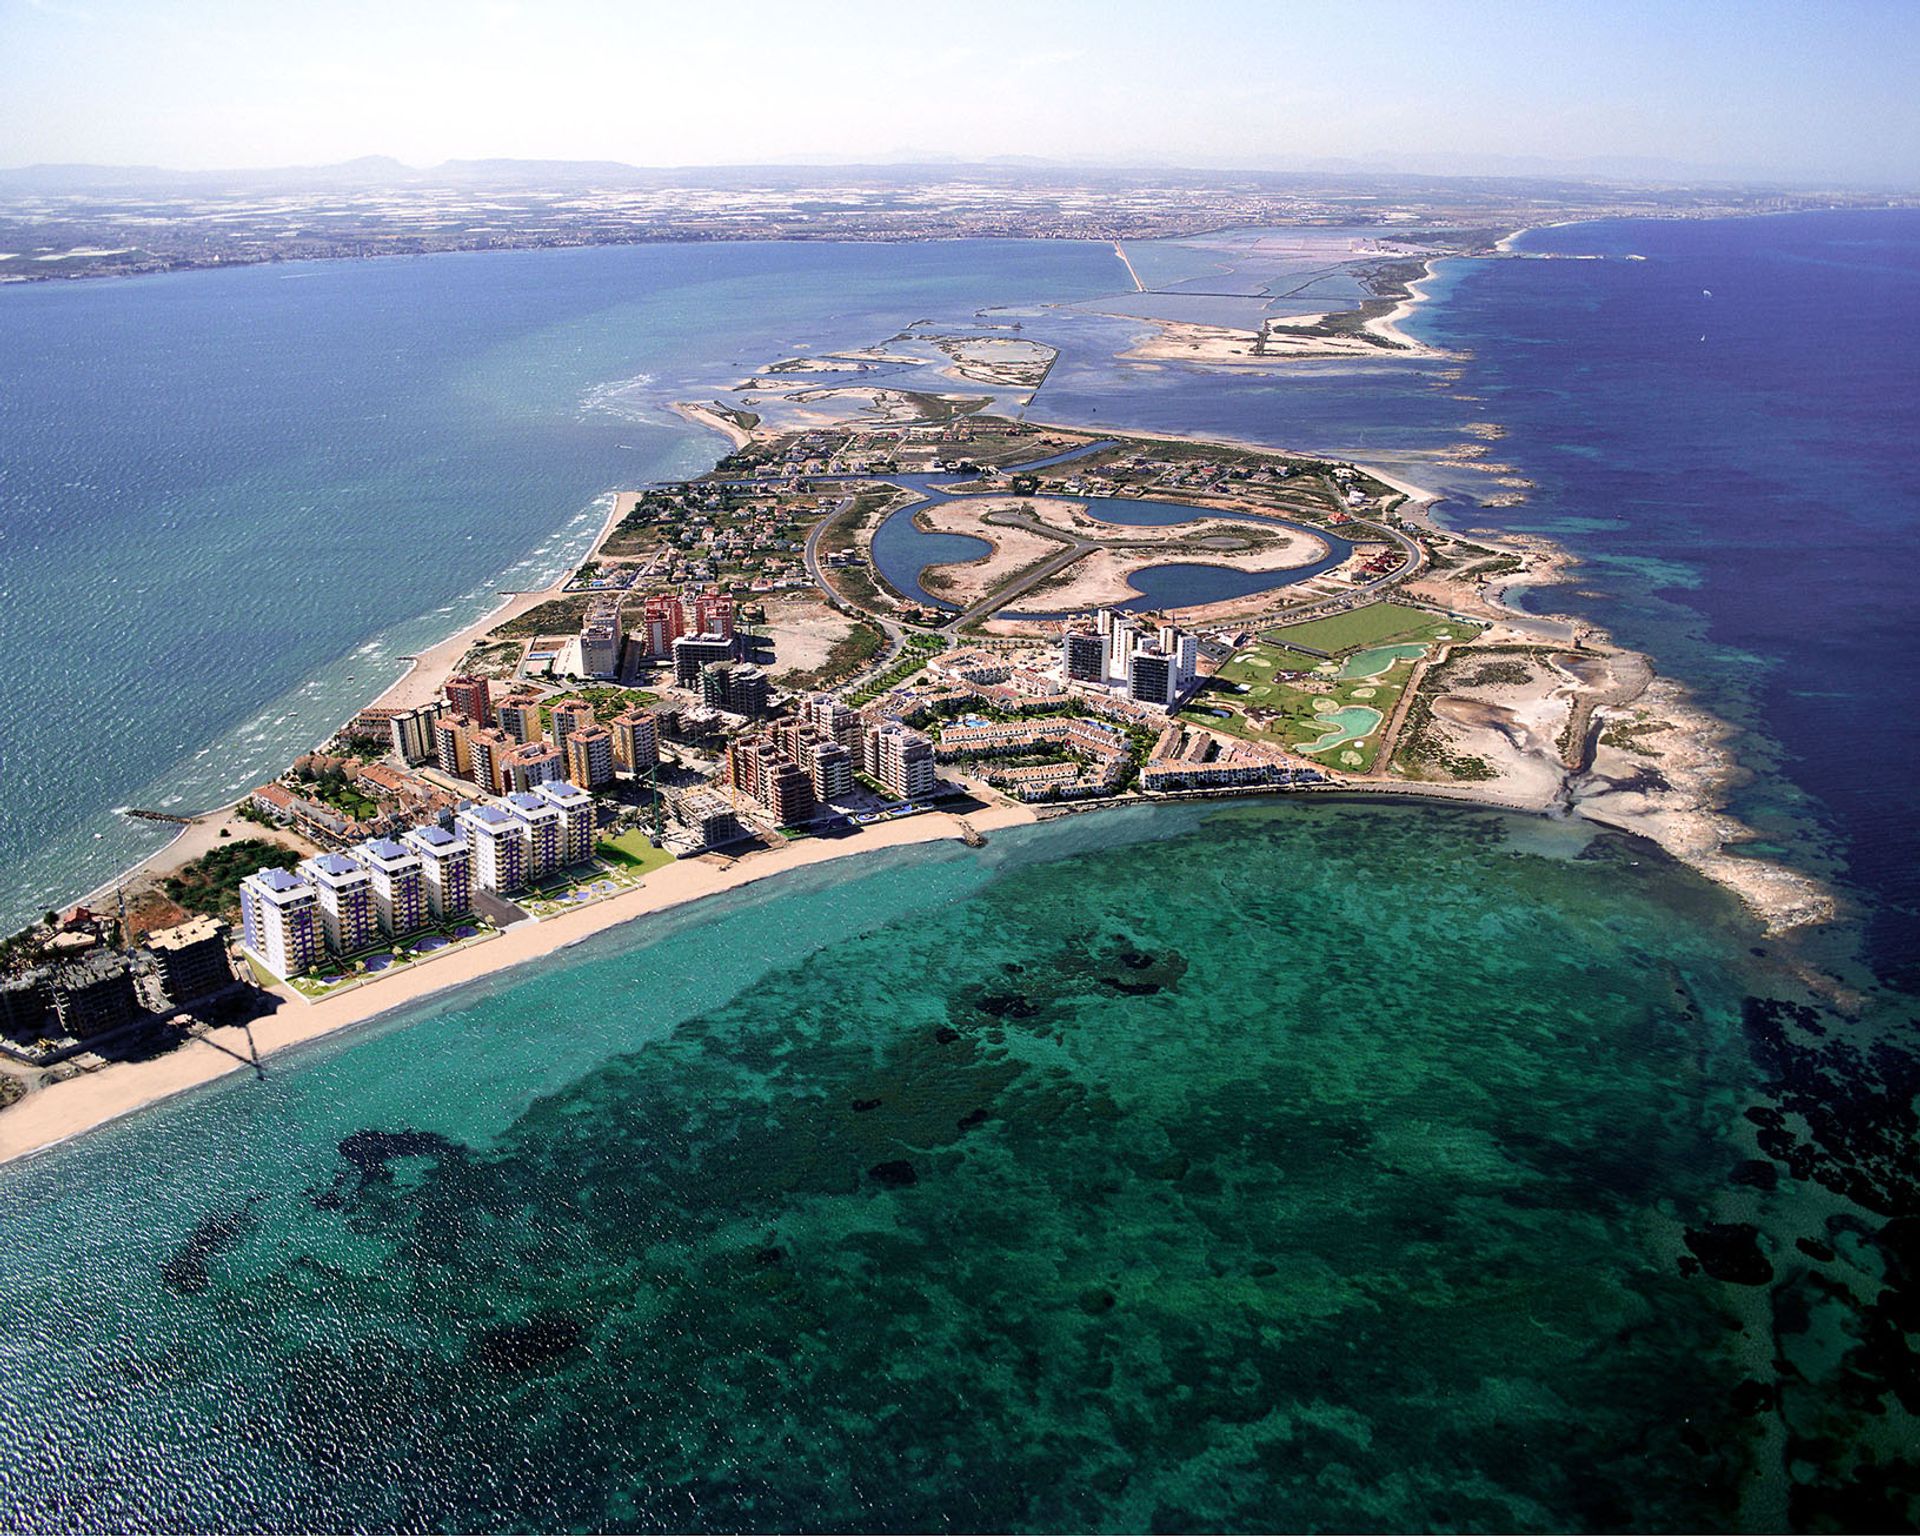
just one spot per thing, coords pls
(1344, 725)
(1281, 1166)
(1380, 659)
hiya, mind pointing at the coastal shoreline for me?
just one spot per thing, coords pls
(1694, 829)
(413, 686)
(713, 421)
(66, 1109)
(419, 681)
(1387, 326)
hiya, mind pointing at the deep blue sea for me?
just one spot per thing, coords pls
(1274, 1166)
(1725, 433)
(1722, 432)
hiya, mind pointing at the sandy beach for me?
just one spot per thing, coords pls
(62, 1110)
(420, 683)
(706, 416)
(1387, 326)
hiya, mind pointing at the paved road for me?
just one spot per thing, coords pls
(995, 601)
(895, 633)
(1410, 559)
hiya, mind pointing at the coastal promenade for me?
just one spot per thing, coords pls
(65, 1109)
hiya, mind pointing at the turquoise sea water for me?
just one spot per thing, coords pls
(1270, 1167)
(1288, 1165)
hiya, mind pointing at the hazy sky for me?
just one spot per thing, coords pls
(1824, 90)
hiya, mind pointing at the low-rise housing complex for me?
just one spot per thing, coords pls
(1187, 759)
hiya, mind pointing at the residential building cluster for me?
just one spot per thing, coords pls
(346, 901)
(52, 1010)
(1138, 473)
(500, 743)
(809, 759)
(1154, 665)
(704, 531)
(1189, 759)
(1097, 755)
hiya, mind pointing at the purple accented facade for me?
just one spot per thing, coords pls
(280, 918)
(446, 867)
(399, 886)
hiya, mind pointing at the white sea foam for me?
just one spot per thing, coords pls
(623, 397)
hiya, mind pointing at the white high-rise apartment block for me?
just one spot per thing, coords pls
(399, 886)
(544, 827)
(280, 921)
(346, 901)
(902, 759)
(575, 806)
(498, 843)
(413, 733)
(446, 865)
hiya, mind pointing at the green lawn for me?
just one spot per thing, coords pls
(1376, 624)
(621, 864)
(1283, 698)
(632, 853)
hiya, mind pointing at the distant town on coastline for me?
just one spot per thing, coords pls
(91, 221)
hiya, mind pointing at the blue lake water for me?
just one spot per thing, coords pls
(903, 551)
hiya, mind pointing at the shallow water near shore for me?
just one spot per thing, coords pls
(1281, 1166)
(235, 500)
(1305, 1164)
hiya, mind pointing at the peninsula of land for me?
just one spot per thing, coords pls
(886, 616)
